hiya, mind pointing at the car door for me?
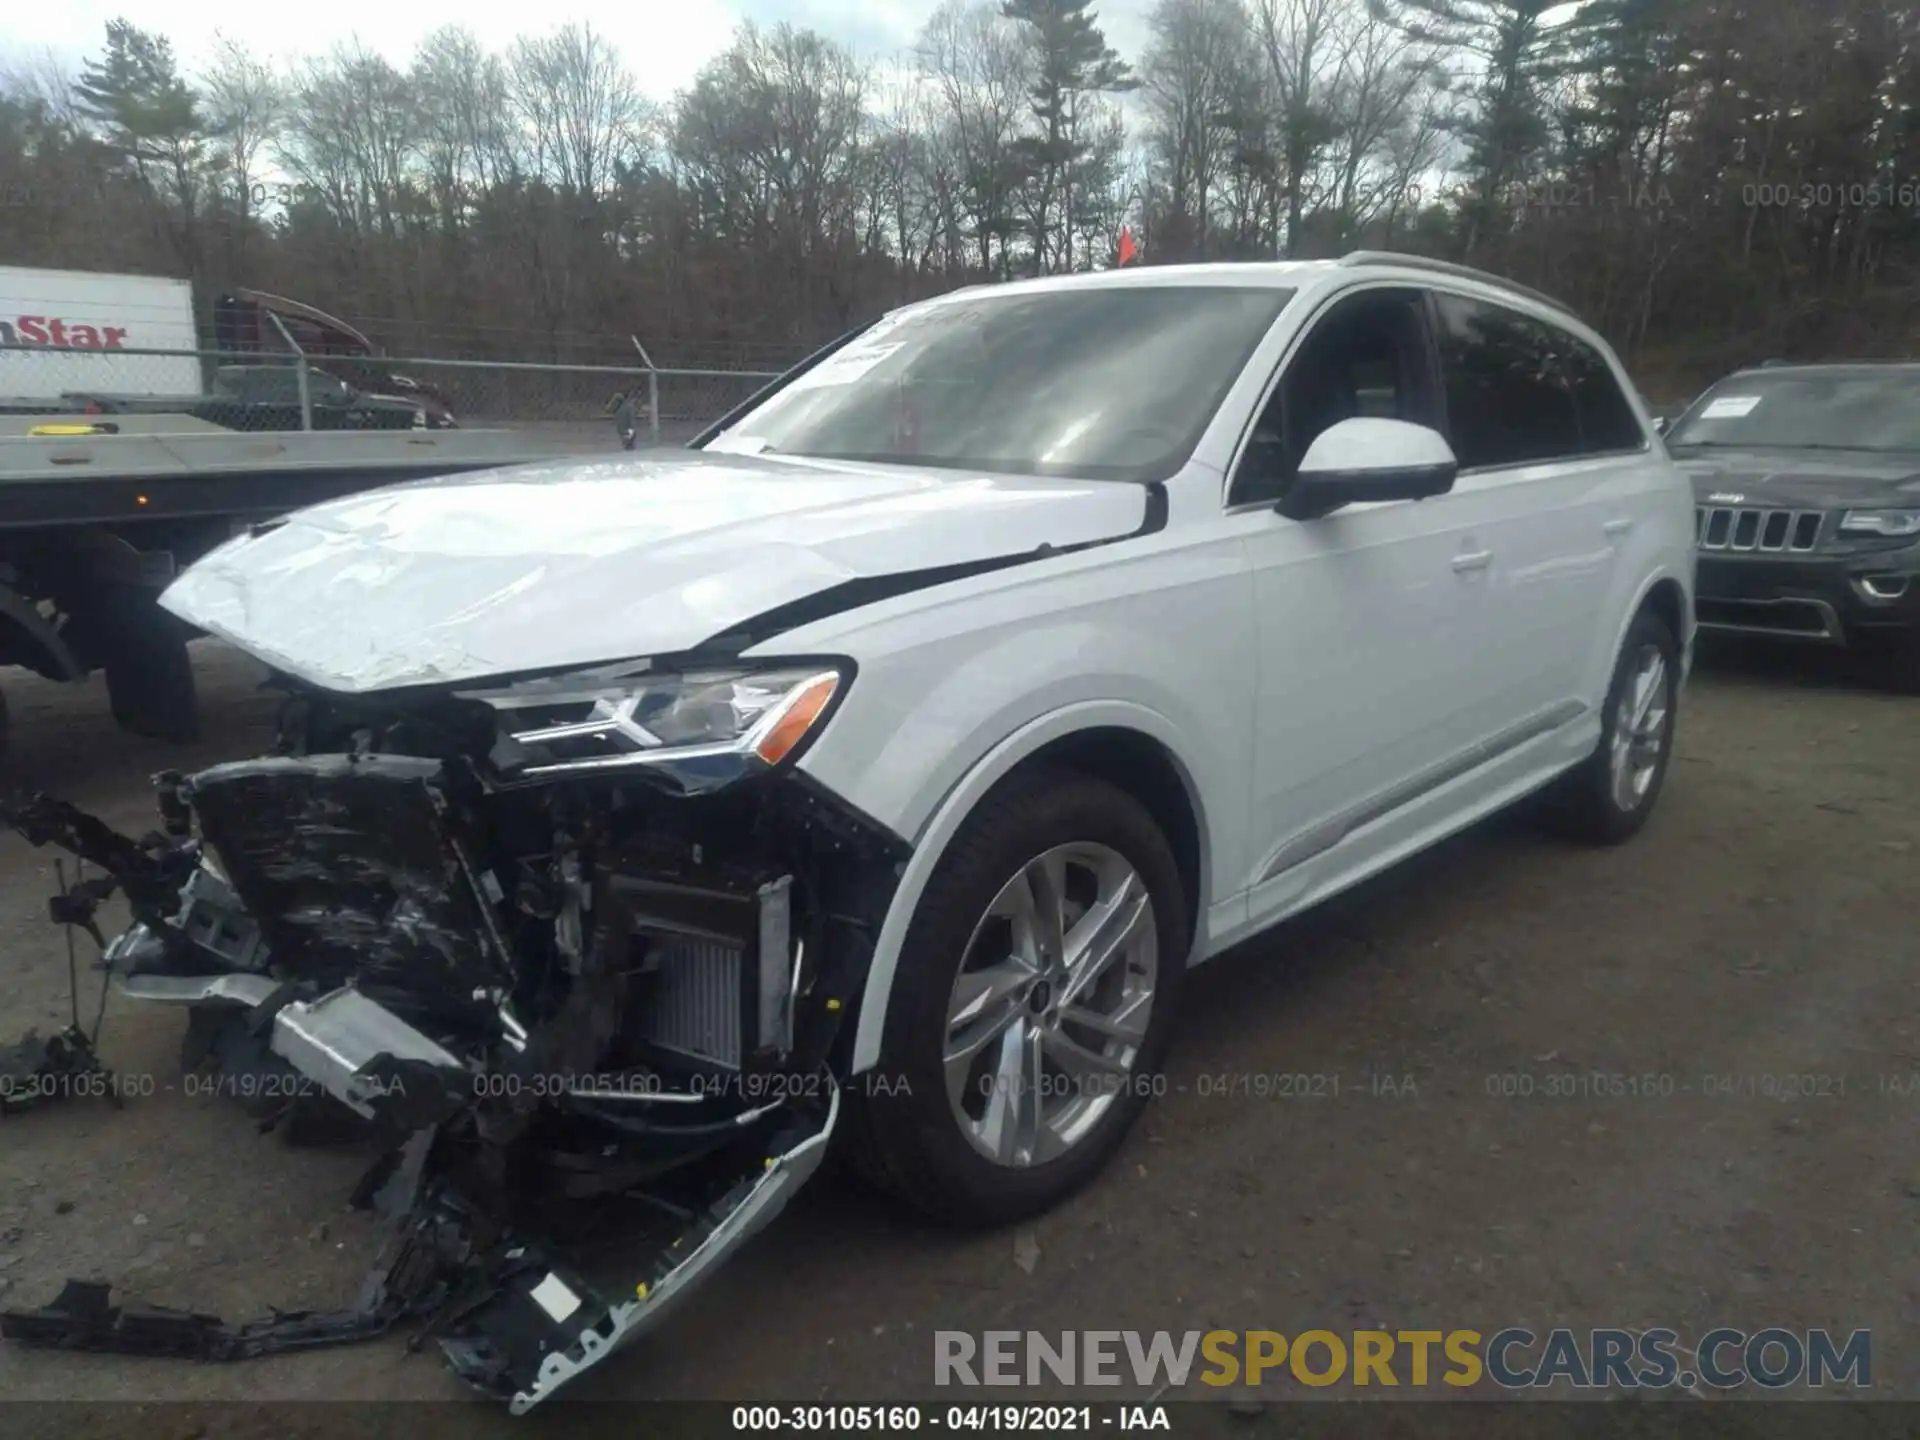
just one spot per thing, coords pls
(1550, 456)
(1366, 620)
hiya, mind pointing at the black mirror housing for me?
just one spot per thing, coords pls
(1313, 495)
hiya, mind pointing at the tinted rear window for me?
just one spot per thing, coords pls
(1520, 390)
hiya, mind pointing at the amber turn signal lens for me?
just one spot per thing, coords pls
(802, 709)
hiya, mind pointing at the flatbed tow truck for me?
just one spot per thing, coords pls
(99, 514)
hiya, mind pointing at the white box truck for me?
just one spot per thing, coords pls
(68, 331)
(118, 465)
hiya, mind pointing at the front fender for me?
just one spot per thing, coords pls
(959, 684)
(952, 812)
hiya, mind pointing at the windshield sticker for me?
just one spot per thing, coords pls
(846, 367)
(1729, 407)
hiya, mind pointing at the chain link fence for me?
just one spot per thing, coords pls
(668, 407)
(46, 388)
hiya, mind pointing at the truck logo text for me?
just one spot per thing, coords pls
(45, 330)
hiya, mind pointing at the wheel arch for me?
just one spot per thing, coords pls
(1129, 745)
(1667, 596)
(30, 639)
(1668, 600)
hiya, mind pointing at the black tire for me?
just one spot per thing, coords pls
(1583, 803)
(152, 693)
(150, 683)
(903, 1135)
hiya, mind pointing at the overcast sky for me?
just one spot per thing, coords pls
(664, 42)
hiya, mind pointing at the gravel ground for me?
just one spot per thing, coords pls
(1763, 926)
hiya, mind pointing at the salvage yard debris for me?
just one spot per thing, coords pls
(337, 927)
(35, 1069)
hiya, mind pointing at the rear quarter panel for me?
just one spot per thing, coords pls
(1659, 548)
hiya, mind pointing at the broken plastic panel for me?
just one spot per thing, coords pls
(543, 1332)
(338, 1039)
(546, 989)
(344, 863)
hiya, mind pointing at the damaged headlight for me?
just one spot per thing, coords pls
(605, 720)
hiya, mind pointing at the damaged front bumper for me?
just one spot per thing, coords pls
(519, 1325)
(564, 1013)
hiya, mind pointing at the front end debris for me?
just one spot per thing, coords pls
(590, 1023)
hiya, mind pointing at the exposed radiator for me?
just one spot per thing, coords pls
(695, 1000)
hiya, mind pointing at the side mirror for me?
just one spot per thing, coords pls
(1660, 423)
(1363, 460)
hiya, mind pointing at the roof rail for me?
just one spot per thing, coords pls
(1461, 272)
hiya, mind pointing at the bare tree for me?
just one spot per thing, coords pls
(582, 115)
(979, 69)
(771, 144)
(1296, 39)
(1193, 77)
(466, 126)
(1381, 108)
(902, 195)
(351, 136)
(244, 105)
(46, 82)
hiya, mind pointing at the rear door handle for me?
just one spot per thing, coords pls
(1615, 528)
(1472, 560)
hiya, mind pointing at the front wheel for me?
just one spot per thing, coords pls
(1608, 798)
(1033, 1004)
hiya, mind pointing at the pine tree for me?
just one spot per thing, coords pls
(1518, 52)
(1073, 59)
(150, 118)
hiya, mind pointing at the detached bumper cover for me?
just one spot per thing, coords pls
(541, 1332)
(511, 1321)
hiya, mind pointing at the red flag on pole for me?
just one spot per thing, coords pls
(1128, 251)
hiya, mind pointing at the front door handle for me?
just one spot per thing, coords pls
(1617, 528)
(1472, 560)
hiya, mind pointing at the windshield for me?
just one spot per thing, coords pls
(1810, 410)
(1110, 383)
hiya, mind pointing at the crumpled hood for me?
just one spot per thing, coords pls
(1816, 479)
(581, 562)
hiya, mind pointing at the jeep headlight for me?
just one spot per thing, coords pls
(709, 725)
(1880, 522)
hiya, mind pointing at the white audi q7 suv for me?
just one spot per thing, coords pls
(881, 762)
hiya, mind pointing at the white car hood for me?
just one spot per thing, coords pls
(584, 562)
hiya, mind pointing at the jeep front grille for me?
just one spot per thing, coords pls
(1748, 528)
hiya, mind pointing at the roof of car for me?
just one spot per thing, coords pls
(1278, 273)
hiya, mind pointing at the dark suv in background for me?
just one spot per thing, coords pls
(1807, 493)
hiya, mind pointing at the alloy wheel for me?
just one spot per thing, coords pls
(1640, 729)
(1051, 1006)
